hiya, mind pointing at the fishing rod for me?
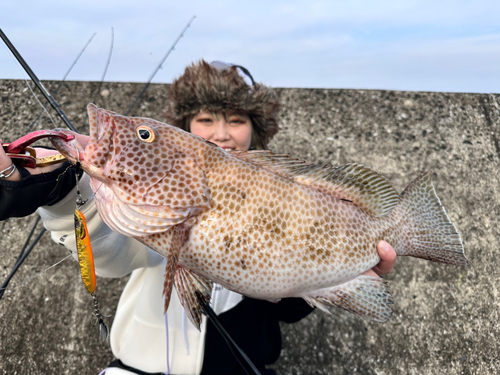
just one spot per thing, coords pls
(159, 66)
(22, 256)
(63, 80)
(37, 82)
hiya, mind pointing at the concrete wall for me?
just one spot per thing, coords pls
(445, 318)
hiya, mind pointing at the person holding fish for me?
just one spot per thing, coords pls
(222, 104)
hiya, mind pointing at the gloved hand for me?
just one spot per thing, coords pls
(29, 188)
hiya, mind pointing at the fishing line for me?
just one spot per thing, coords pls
(62, 81)
(106, 67)
(20, 256)
(3, 287)
(23, 283)
(37, 82)
(184, 333)
(28, 239)
(20, 261)
(145, 38)
(168, 341)
(23, 75)
(159, 66)
(44, 108)
(78, 192)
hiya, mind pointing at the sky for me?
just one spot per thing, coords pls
(426, 45)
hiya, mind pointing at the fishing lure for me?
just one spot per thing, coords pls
(86, 259)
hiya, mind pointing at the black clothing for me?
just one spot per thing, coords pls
(23, 197)
(254, 326)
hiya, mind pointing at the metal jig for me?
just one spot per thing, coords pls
(85, 256)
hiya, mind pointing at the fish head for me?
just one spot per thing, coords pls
(140, 164)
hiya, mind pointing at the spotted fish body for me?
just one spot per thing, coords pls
(264, 225)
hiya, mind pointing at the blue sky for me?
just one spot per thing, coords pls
(398, 45)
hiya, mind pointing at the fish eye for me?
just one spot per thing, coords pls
(146, 133)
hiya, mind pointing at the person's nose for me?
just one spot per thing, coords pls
(221, 132)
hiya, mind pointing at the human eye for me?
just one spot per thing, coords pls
(204, 120)
(235, 121)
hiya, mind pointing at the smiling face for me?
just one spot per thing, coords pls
(231, 131)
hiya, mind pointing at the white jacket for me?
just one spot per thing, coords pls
(138, 335)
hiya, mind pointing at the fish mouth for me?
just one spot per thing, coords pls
(83, 147)
(73, 150)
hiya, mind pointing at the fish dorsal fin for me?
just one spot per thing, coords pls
(281, 164)
(357, 183)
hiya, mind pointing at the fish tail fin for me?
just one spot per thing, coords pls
(427, 231)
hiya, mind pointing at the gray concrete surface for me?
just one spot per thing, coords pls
(445, 318)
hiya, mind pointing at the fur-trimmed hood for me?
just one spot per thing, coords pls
(204, 87)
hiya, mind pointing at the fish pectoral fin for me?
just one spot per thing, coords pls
(366, 296)
(194, 292)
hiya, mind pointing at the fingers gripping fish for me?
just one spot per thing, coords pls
(261, 224)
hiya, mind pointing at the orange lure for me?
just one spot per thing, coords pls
(85, 258)
(87, 270)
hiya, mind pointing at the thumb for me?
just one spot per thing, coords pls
(5, 163)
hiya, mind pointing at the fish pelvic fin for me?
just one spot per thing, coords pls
(427, 231)
(177, 236)
(365, 296)
(194, 292)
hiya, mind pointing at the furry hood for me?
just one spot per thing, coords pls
(204, 87)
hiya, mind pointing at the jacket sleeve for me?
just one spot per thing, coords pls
(23, 197)
(115, 255)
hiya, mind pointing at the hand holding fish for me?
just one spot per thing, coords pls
(21, 193)
(387, 260)
(5, 166)
(6, 162)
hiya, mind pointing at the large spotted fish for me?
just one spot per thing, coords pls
(263, 225)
